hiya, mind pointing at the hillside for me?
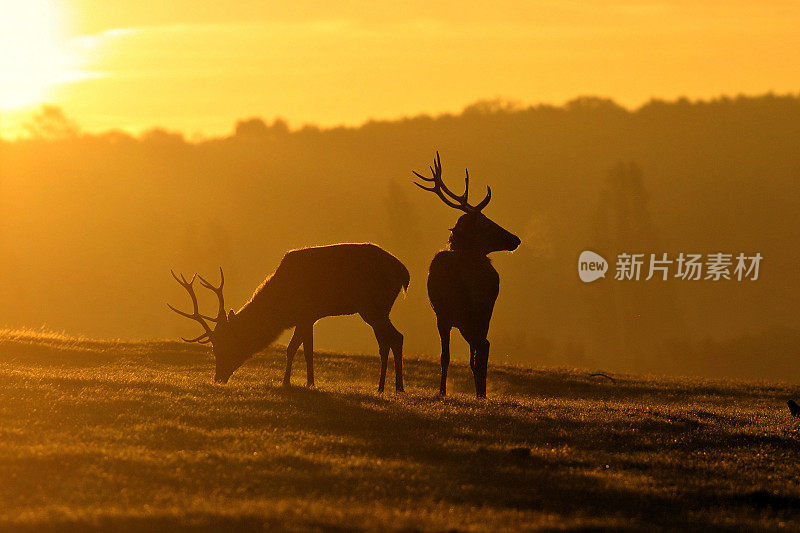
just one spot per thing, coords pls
(95, 221)
(133, 435)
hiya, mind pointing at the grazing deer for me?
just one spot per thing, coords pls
(309, 284)
(462, 283)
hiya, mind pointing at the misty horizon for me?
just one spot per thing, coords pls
(23, 121)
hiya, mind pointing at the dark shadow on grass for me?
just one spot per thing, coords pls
(460, 450)
(194, 522)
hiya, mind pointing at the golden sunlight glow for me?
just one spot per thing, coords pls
(200, 65)
(31, 60)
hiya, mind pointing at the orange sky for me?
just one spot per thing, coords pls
(198, 66)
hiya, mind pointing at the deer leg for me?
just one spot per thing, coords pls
(308, 350)
(383, 350)
(481, 365)
(397, 354)
(388, 339)
(444, 335)
(291, 349)
(473, 364)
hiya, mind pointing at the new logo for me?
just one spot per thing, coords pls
(591, 266)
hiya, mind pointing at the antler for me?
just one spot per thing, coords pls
(195, 314)
(218, 291)
(457, 201)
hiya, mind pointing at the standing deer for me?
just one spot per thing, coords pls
(309, 284)
(462, 283)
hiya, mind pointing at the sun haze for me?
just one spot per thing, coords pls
(197, 65)
(30, 61)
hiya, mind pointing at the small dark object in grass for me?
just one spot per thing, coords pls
(793, 408)
(602, 375)
(520, 452)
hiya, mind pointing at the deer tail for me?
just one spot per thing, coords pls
(405, 277)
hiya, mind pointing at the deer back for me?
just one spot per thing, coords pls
(341, 279)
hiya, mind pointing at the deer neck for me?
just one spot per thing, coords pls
(466, 250)
(259, 323)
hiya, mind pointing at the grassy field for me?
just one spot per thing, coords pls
(134, 436)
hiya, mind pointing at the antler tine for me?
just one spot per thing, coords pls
(199, 339)
(439, 193)
(483, 203)
(197, 317)
(420, 176)
(207, 284)
(182, 313)
(182, 280)
(218, 291)
(466, 184)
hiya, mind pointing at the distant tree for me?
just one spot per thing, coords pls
(51, 123)
(160, 136)
(623, 218)
(403, 220)
(256, 128)
(492, 106)
(280, 127)
(252, 127)
(634, 317)
(593, 103)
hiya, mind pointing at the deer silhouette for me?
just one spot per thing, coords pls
(462, 283)
(309, 284)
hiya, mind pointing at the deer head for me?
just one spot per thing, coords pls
(474, 232)
(226, 346)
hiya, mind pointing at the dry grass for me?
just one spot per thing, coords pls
(132, 436)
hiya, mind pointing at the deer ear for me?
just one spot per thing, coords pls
(231, 314)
